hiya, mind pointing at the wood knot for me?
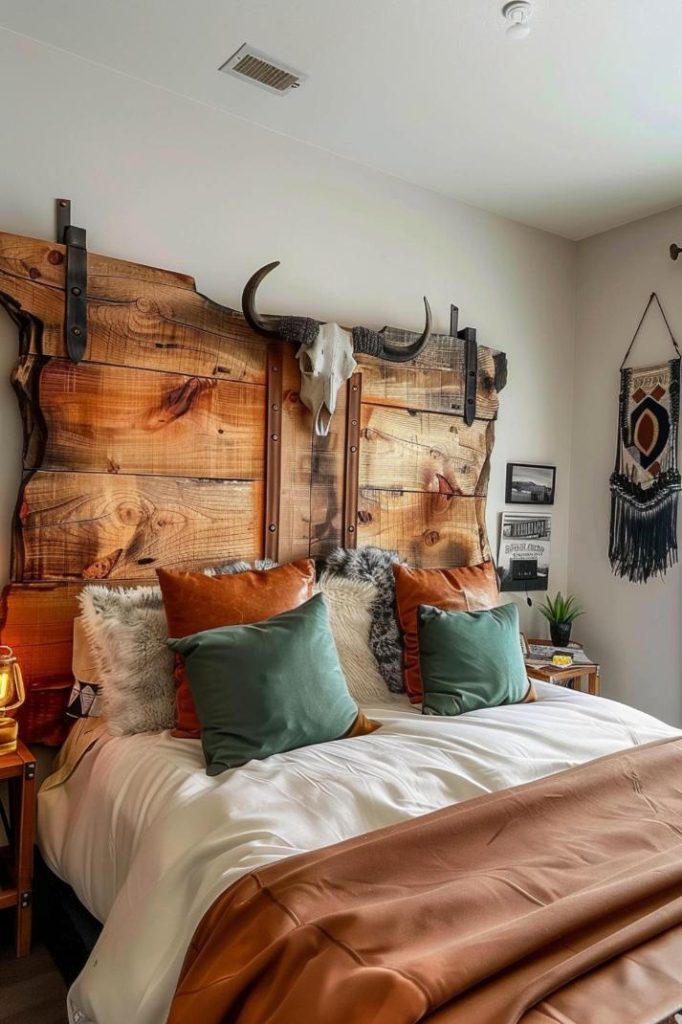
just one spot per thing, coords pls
(445, 487)
(55, 257)
(113, 466)
(179, 401)
(103, 567)
(369, 434)
(291, 397)
(364, 516)
(431, 537)
(34, 273)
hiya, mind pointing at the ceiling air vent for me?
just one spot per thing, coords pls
(267, 72)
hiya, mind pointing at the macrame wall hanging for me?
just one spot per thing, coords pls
(645, 482)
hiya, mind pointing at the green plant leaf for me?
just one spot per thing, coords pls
(561, 609)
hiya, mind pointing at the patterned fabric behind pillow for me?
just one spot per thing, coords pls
(350, 604)
(85, 700)
(127, 633)
(373, 565)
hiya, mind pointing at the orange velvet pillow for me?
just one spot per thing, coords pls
(471, 588)
(194, 602)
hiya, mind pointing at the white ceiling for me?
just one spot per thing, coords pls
(575, 129)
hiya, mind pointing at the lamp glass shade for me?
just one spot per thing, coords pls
(12, 696)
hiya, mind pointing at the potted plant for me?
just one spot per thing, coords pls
(561, 613)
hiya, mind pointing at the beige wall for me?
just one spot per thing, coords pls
(633, 629)
(158, 179)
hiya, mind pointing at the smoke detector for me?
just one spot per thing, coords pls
(518, 14)
(260, 69)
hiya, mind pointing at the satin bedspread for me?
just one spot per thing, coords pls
(475, 913)
(149, 841)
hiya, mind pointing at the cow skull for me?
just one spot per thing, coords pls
(326, 351)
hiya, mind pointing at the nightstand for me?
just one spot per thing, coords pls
(18, 770)
(566, 676)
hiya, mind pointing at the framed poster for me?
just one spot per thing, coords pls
(524, 551)
(529, 484)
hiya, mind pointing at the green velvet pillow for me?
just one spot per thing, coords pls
(471, 660)
(267, 687)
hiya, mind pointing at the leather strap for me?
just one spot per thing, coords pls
(352, 462)
(273, 449)
(652, 298)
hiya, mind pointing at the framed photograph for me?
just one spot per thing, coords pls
(529, 484)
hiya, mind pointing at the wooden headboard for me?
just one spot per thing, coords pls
(180, 440)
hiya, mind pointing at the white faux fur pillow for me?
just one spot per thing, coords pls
(127, 633)
(350, 613)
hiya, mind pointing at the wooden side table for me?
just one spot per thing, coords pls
(566, 676)
(16, 858)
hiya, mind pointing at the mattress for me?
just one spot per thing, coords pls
(148, 841)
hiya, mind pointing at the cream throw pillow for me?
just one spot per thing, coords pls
(350, 614)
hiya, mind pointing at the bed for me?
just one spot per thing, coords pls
(172, 436)
(148, 841)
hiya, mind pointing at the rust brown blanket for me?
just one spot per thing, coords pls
(559, 901)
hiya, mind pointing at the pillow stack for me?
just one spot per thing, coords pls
(461, 648)
(268, 687)
(195, 602)
(257, 669)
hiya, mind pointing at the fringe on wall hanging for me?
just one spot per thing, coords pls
(645, 482)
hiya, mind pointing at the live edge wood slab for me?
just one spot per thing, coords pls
(152, 451)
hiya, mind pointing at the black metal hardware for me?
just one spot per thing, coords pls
(75, 282)
(675, 251)
(468, 335)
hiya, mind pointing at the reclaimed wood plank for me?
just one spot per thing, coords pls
(99, 526)
(327, 481)
(37, 259)
(297, 454)
(415, 451)
(427, 529)
(113, 419)
(415, 386)
(137, 316)
(36, 621)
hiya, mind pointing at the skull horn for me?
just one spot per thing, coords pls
(372, 342)
(249, 303)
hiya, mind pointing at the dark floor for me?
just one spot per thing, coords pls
(31, 989)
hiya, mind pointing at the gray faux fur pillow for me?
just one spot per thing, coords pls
(127, 632)
(374, 565)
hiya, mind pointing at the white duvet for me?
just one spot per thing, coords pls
(148, 841)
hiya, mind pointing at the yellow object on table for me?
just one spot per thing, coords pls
(12, 696)
(562, 660)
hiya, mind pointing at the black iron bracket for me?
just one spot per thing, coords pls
(75, 283)
(468, 336)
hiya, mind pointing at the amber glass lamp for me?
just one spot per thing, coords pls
(12, 696)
